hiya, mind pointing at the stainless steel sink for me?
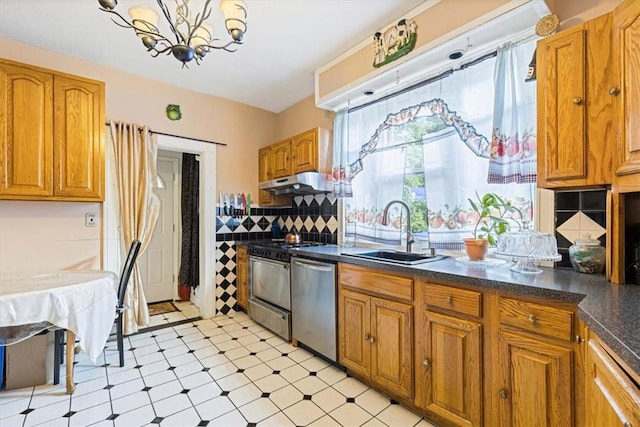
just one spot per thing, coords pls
(393, 257)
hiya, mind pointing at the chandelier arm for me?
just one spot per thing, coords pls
(202, 16)
(172, 25)
(155, 34)
(209, 47)
(155, 52)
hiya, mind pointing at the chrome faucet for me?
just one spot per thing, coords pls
(385, 220)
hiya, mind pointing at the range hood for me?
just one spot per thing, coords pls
(299, 185)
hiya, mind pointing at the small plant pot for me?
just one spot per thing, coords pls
(184, 292)
(476, 248)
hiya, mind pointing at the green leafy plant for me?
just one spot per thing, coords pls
(495, 216)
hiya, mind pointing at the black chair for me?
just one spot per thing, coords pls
(59, 344)
(122, 290)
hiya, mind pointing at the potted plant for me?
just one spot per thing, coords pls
(493, 216)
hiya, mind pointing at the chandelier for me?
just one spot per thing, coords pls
(191, 38)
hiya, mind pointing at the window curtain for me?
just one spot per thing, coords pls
(135, 151)
(190, 257)
(341, 181)
(513, 140)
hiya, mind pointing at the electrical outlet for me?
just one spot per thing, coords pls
(90, 220)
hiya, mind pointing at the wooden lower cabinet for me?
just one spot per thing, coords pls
(242, 276)
(612, 394)
(376, 340)
(449, 367)
(536, 381)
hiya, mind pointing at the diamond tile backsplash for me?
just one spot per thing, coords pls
(578, 213)
(314, 216)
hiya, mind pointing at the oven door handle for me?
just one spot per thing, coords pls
(267, 261)
(312, 266)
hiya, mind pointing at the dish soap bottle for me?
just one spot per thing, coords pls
(586, 255)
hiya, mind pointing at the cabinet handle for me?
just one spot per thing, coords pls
(532, 318)
(448, 299)
(372, 340)
(614, 91)
(577, 100)
(502, 393)
(578, 339)
(367, 337)
(425, 362)
(626, 424)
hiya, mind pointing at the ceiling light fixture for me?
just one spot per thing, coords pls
(193, 37)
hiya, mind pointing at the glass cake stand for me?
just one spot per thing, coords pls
(527, 247)
(526, 264)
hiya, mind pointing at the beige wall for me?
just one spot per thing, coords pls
(301, 117)
(133, 99)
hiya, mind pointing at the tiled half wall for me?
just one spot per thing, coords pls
(576, 214)
(314, 216)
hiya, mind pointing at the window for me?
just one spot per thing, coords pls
(430, 147)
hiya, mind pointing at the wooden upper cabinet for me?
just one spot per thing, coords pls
(53, 135)
(26, 123)
(78, 136)
(281, 158)
(626, 41)
(310, 151)
(576, 129)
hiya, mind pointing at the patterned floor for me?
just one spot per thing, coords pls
(225, 371)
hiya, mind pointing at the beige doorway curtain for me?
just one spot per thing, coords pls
(135, 151)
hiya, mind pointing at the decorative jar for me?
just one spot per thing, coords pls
(587, 255)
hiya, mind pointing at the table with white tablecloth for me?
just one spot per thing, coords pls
(81, 301)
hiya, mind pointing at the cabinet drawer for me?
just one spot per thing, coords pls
(549, 321)
(446, 297)
(375, 282)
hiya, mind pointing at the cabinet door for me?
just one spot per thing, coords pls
(575, 110)
(449, 368)
(281, 159)
(537, 382)
(354, 319)
(242, 270)
(26, 149)
(78, 139)
(304, 152)
(612, 399)
(265, 173)
(627, 46)
(392, 346)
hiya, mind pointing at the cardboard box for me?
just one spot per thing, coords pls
(25, 363)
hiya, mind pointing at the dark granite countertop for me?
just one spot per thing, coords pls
(611, 311)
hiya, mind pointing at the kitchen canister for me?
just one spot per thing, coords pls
(587, 255)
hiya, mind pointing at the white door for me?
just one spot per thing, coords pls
(157, 263)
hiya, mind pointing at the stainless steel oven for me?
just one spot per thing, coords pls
(270, 294)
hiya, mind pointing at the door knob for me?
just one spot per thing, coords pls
(367, 337)
(532, 318)
(502, 393)
(577, 100)
(425, 362)
(448, 299)
(614, 91)
(372, 339)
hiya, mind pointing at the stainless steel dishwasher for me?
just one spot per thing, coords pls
(313, 305)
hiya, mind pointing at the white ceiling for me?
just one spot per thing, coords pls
(286, 41)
